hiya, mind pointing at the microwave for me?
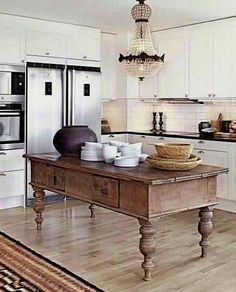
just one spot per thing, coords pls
(12, 80)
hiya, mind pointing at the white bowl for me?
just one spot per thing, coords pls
(93, 145)
(130, 151)
(142, 157)
(126, 161)
(118, 144)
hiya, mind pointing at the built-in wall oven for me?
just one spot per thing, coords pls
(11, 123)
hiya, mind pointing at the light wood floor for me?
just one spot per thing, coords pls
(105, 252)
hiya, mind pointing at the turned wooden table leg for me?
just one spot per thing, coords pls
(205, 228)
(38, 206)
(92, 208)
(147, 246)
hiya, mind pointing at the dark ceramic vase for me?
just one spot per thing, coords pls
(69, 139)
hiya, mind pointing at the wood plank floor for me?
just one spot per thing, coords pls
(105, 252)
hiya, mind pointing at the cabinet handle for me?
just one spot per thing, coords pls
(111, 136)
(161, 138)
(47, 53)
(201, 142)
(143, 136)
(3, 153)
(84, 57)
(2, 174)
(155, 95)
(209, 95)
(104, 191)
(186, 95)
(200, 152)
(54, 180)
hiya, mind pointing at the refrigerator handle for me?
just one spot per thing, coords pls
(70, 97)
(64, 102)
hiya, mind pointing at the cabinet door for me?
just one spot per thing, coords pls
(173, 76)
(216, 158)
(11, 46)
(148, 88)
(224, 68)
(114, 137)
(12, 184)
(108, 65)
(200, 61)
(45, 44)
(84, 43)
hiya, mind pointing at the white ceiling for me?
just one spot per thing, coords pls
(114, 15)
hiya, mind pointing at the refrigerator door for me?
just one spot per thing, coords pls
(85, 99)
(44, 110)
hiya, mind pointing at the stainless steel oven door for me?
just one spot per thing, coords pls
(11, 127)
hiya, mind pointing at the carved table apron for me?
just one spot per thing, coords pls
(142, 192)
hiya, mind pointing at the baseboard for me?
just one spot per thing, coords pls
(226, 205)
(48, 199)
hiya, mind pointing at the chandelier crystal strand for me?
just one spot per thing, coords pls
(141, 59)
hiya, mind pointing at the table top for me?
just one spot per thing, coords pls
(144, 172)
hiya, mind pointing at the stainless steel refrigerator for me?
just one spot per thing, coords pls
(57, 96)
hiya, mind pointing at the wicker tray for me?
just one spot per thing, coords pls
(173, 165)
(156, 157)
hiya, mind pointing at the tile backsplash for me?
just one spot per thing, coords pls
(136, 115)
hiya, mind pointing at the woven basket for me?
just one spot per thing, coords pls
(169, 164)
(174, 151)
(157, 157)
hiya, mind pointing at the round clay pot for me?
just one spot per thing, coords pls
(69, 139)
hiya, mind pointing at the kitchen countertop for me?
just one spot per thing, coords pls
(173, 134)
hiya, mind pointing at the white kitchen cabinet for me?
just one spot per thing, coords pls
(11, 160)
(149, 87)
(108, 66)
(45, 44)
(200, 70)
(223, 56)
(173, 76)
(11, 46)
(216, 158)
(84, 43)
(114, 137)
(12, 184)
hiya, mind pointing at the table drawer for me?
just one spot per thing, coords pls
(92, 187)
(48, 175)
(105, 191)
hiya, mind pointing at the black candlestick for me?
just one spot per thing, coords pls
(161, 122)
(154, 123)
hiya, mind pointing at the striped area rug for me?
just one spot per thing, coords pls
(22, 269)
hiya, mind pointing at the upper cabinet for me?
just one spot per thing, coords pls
(200, 70)
(108, 66)
(173, 77)
(84, 43)
(11, 46)
(223, 59)
(45, 44)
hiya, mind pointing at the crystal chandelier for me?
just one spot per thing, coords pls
(142, 59)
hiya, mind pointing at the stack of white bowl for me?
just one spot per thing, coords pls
(92, 152)
(130, 155)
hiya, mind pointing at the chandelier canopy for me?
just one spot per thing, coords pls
(142, 59)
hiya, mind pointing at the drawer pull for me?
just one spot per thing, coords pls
(201, 142)
(161, 138)
(111, 136)
(54, 180)
(201, 152)
(143, 136)
(104, 191)
(2, 174)
(3, 153)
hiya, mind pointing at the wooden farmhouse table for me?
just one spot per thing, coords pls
(142, 192)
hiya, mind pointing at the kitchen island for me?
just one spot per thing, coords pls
(143, 192)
